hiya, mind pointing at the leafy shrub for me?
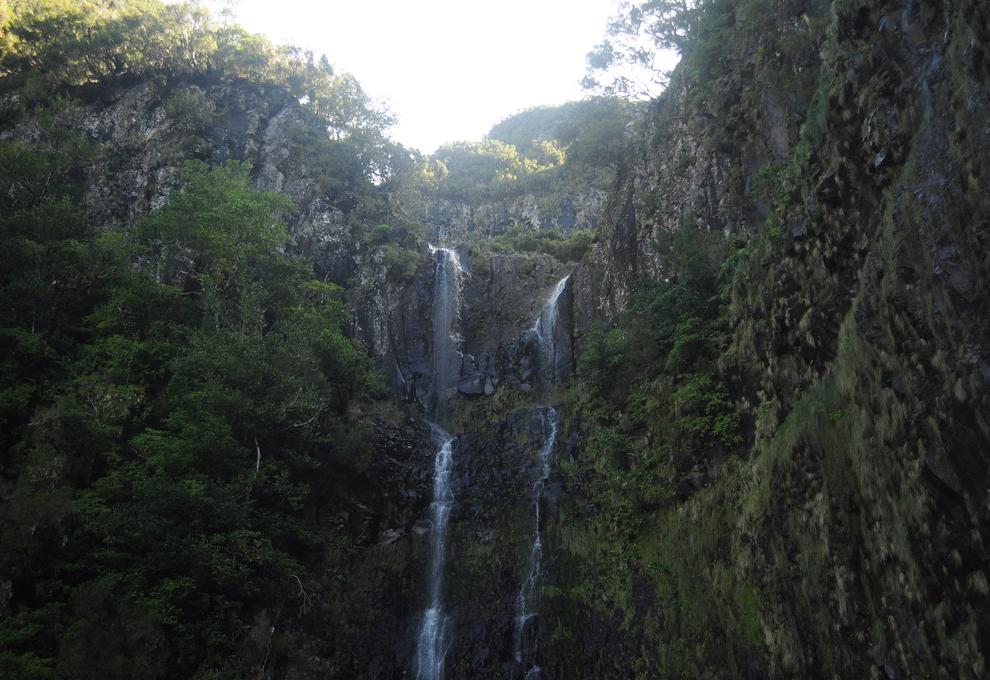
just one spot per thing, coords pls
(565, 248)
(191, 108)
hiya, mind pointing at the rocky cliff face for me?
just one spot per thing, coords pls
(496, 467)
(576, 205)
(859, 525)
(143, 132)
(871, 305)
(143, 136)
(502, 295)
(705, 139)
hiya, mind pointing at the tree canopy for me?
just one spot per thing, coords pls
(158, 421)
(625, 63)
(167, 390)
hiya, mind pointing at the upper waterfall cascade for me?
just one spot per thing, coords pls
(446, 339)
(546, 328)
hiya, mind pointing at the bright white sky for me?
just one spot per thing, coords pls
(449, 69)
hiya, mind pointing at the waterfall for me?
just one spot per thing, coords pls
(551, 428)
(545, 328)
(432, 642)
(446, 341)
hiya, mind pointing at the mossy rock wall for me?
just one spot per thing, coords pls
(851, 540)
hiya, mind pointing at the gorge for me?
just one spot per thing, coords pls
(693, 387)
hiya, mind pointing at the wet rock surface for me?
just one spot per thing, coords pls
(495, 467)
(502, 296)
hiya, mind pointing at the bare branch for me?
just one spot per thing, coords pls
(304, 423)
(307, 603)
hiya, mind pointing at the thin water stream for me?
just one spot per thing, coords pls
(433, 639)
(546, 328)
(551, 429)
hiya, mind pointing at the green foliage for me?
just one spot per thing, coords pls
(397, 247)
(488, 170)
(634, 35)
(603, 352)
(401, 263)
(191, 108)
(545, 155)
(93, 44)
(569, 248)
(168, 393)
(78, 41)
(547, 165)
(350, 166)
(592, 132)
(217, 235)
(654, 417)
(652, 382)
(94, 48)
(702, 408)
(160, 422)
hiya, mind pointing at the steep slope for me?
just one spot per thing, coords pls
(850, 540)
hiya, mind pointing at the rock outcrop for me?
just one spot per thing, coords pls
(577, 206)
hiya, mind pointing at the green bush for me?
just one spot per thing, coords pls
(191, 108)
(565, 248)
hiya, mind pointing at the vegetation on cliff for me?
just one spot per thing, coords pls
(773, 454)
(169, 390)
(160, 423)
(835, 540)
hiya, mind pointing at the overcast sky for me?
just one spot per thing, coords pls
(449, 69)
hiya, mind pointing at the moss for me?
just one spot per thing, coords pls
(839, 545)
(471, 413)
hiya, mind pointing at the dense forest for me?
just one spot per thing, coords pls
(695, 385)
(169, 382)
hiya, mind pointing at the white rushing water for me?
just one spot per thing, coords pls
(431, 644)
(546, 331)
(551, 428)
(432, 641)
(446, 314)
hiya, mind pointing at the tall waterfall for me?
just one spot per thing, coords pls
(432, 643)
(551, 428)
(546, 331)
(446, 341)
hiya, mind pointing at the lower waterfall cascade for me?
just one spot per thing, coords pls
(527, 592)
(432, 641)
